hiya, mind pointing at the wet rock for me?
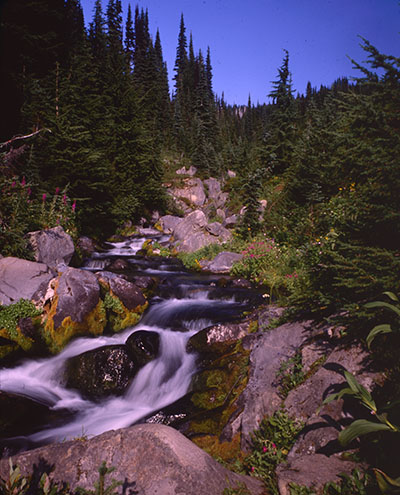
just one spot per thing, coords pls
(143, 346)
(54, 247)
(148, 459)
(14, 411)
(101, 372)
(22, 279)
(118, 265)
(143, 282)
(130, 295)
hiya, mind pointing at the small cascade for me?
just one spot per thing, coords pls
(182, 308)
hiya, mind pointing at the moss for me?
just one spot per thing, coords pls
(253, 326)
(56, 339)
(119, 316)
(215, 398)
(229, 453)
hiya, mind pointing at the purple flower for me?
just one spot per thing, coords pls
(65, 199)
(23, 181)
(57, 190)
(44, 197)
(13, 183)
(73, 206)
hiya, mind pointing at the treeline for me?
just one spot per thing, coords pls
(326, 162)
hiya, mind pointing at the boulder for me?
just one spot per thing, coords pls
(261, 397)
(148, 459)
(118, 265)
(317, 444)
(22, 279)
(86, 246)
(214, 188)
(143, 346)
(130, 295)
(190, 171)
(193, 223)
(192, 191)
(223, 262)
(54, 247)
(231, 221)
(101, 372)
(77, 294)
(168, 223)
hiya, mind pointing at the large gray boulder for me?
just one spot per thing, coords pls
(148, 459)
(192, 191)
(223, 262)
(262, 395)
(22, 279)
(54, 247)
(317, 444)
(192, 232)
(78, 293)
(168, 223)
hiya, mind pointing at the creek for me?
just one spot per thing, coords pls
(184, 304)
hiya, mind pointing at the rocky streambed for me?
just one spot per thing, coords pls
(200, 359)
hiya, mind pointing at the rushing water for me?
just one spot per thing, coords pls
(186, 303)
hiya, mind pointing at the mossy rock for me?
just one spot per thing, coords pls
(57, 338)
(215, 390)
(119, 316)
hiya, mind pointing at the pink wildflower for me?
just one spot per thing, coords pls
(265, 449)
(29, 191)
(44, 197)
(23, 181)
(252, 469)
(13, 183)
(57, 190)
(73, 206)
(65, 199)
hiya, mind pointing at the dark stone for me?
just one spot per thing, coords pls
(27, 327)
(101, 372)
(78, 293)
(118, 265)
(143, 346)
(130, 295)
(144, 283)
(86, 245)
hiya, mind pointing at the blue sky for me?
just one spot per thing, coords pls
(247, 38)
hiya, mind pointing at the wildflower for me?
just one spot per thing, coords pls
(273, 446)
(13, 183)
(265, 449)
(44, 197)
(73, 206)
(65, 199)
(29, 191)
(57, 190)
(23, 181)
(252, 469)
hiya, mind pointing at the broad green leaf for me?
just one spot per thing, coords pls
(338, 395)
(392, 296)
(360, 391)
(381, 304)
(384, 328)
(386, 483)
(358, 428)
